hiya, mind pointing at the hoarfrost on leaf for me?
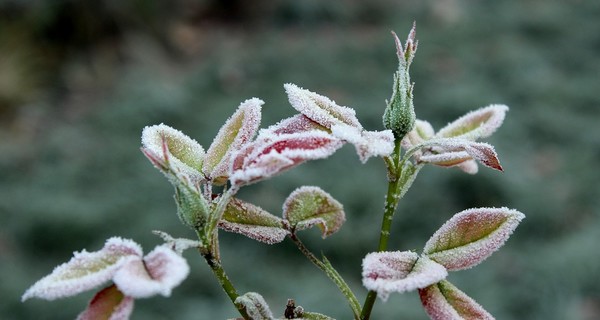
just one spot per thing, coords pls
(294, 124)
(471, 236)
(109, 303)
(177, 244)
(449, 152)
(255, 305)
(476, 124)
(173, 152)
(443, 301)
(237, 131)
(85, 271)
(320, 109)
(158, 273)
(273, 154)
(367, 143)
(387, 272)
(308, 206)
(253, 222)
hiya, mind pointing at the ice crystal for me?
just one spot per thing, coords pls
(252, 221)
(109, 303)
(237, 131)
(443, 301)
(387, 272)
(471, 236)
(308, 206)
(367, 143)
(294, 124)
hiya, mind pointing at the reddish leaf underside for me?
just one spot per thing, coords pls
(109, 303)
(443, 301)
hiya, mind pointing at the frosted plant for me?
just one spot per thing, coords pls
(206, 184)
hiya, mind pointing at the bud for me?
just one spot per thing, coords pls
(399, 115)
(192, 207)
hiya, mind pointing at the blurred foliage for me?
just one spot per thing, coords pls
(80, 79)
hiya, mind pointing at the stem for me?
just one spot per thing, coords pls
(219, 272)
(328, 269)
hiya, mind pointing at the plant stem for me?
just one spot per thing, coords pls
(219, 272)
(328, 269)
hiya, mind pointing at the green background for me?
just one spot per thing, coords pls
(80, 79)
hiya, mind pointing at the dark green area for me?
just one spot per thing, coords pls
(79, 80)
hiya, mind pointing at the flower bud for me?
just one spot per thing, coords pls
(399, 116)
(192, 207)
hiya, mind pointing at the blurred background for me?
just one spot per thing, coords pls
(80, 79)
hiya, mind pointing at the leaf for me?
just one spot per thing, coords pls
(421, 132)
(85, 271)
(255, 305)
(480, 123)
(237, 131)
(109, 303)
(386, 272)
(177, 244)
(273, 154)
(173, 152)
(309, 206)
(294, 124)
(158, 273)
(471, 236)
(315, 316)
(253, 222)
(451, 152)
(443, 301)
(367, 143)
(320, 109)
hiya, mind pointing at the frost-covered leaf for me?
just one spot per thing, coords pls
(275, 153)
(255, 305)
(158, 273)
(253, 222)
(443, 301)
(451, 151)
(294, 124)
(177, 244)
(367, 143)
(173, 152)
(314, 316)
(471, 236)
(421, 132)
(480, 123)
(85, 271)
(237, 131)
(319, 108)
(110, 304)
(386, 272)
(309, 206)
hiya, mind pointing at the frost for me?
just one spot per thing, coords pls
(237, 131)
(387, 272)
(471, 236)
(320, 109)
(449, 152)
(480, 123)
(255, 306)
(119, 260)
(253, 222)
(410, 47)
(109, 303)
(294, 124)
(308, 206)
(276, 153)
(177, 244)
(443, 301)
(85, 271)
(173, 152)
(158, 273)
(367, 143)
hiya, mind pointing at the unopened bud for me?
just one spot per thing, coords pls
(192, 207)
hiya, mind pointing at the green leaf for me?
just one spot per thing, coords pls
(480, 123)
(253, 222)
(471, 236)
(310, 206)
(444, 301)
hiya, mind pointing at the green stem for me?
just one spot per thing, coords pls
(328, 269)
(219, 272)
